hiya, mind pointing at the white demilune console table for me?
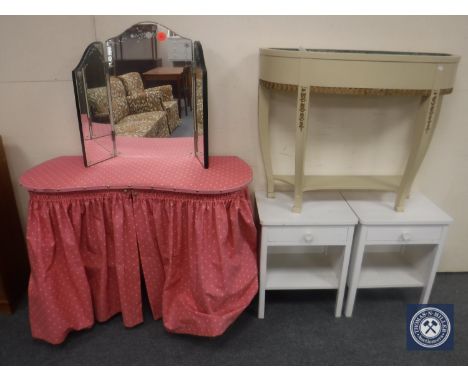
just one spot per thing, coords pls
(304, 251)
(355, 73)
(394, 249)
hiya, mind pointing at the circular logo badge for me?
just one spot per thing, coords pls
(430, 327)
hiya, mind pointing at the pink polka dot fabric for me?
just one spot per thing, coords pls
(84, 262)
(198, 255)
(196, 247)
(142, 163)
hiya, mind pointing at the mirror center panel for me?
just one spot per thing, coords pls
(154, 85)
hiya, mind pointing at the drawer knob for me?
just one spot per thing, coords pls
(405, 236)
(308, 238)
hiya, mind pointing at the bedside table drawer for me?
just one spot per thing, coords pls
(307, 235)
(404, 234)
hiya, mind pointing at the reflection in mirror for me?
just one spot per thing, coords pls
(148, 86)
(150, 70)
(201, 105)
(90, 81)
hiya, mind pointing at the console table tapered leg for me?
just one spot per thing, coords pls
(302, 113)
(426, 121)
(264, 129)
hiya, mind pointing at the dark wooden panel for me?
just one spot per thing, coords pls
(140, 66)
(4, 305)
(14, 268)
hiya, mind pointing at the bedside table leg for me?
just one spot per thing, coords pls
(263, 271)
(344, 273)
(437, 254)
(356, 264)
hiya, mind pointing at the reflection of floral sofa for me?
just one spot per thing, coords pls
(99, 108)
(136, 112)
(134, 86)
(139, 115)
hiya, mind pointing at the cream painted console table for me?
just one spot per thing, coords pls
(347, 72)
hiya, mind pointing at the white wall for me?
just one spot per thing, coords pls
(349, 135)
(37, 103)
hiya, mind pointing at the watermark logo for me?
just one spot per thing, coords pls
(430, 327)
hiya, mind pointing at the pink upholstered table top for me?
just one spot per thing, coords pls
(142, 163)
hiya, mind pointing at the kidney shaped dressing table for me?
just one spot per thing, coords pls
(140, 199)
(154, 208)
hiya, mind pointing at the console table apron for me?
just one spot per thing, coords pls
(366, 73)
(91, 230)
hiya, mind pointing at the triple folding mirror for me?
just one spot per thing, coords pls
(147, 82)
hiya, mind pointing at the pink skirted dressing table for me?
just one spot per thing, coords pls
(151, 209)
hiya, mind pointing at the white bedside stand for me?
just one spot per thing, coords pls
(307, 250)
(394, 249)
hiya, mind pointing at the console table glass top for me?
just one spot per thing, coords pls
(373, 52)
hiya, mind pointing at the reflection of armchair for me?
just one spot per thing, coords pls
(134, 85)
(98, 105)
(139, 115)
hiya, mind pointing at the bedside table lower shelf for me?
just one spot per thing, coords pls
(393, 270)
(303, 270)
